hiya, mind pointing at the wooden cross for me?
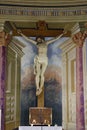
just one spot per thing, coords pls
(42, 30)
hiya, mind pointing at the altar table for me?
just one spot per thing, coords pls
(40, 128)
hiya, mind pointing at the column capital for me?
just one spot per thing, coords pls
(79, 34)
(2, 24)
(5, 36)
(78, 27)
(79, 38)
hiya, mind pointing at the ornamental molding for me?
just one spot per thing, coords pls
(43, 11)
(45, 2)
(17, 47)
(67, 46)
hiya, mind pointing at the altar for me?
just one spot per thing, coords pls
(40, 128)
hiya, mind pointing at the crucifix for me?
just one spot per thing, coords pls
(41, 59)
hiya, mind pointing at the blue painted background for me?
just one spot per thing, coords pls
(53, 82)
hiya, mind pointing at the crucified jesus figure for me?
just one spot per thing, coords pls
(41, 59)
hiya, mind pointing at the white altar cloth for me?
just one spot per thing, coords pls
(40, 128)
(51, 128)
(29, 128)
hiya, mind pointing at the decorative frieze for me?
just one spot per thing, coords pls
(43, 11)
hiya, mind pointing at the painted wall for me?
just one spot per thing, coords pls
(53, 81)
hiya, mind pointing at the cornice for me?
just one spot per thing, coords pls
(78, 28)
(17, 47)
(44, 2)
(67, 46)
(42, 13)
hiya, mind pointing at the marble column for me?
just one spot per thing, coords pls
(2, 83)
(3, 43)
(80, 117)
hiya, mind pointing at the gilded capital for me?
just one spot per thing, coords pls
(4, 38)
(79, 34)
(79, 38)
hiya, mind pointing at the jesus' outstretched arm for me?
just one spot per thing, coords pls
(55, 39)
(27, 38)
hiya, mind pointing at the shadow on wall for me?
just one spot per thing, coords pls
(28, 99)
(53, 99)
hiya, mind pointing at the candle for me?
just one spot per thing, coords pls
(48, 124)
(31, 124)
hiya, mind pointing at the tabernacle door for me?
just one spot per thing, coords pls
(40, 116)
